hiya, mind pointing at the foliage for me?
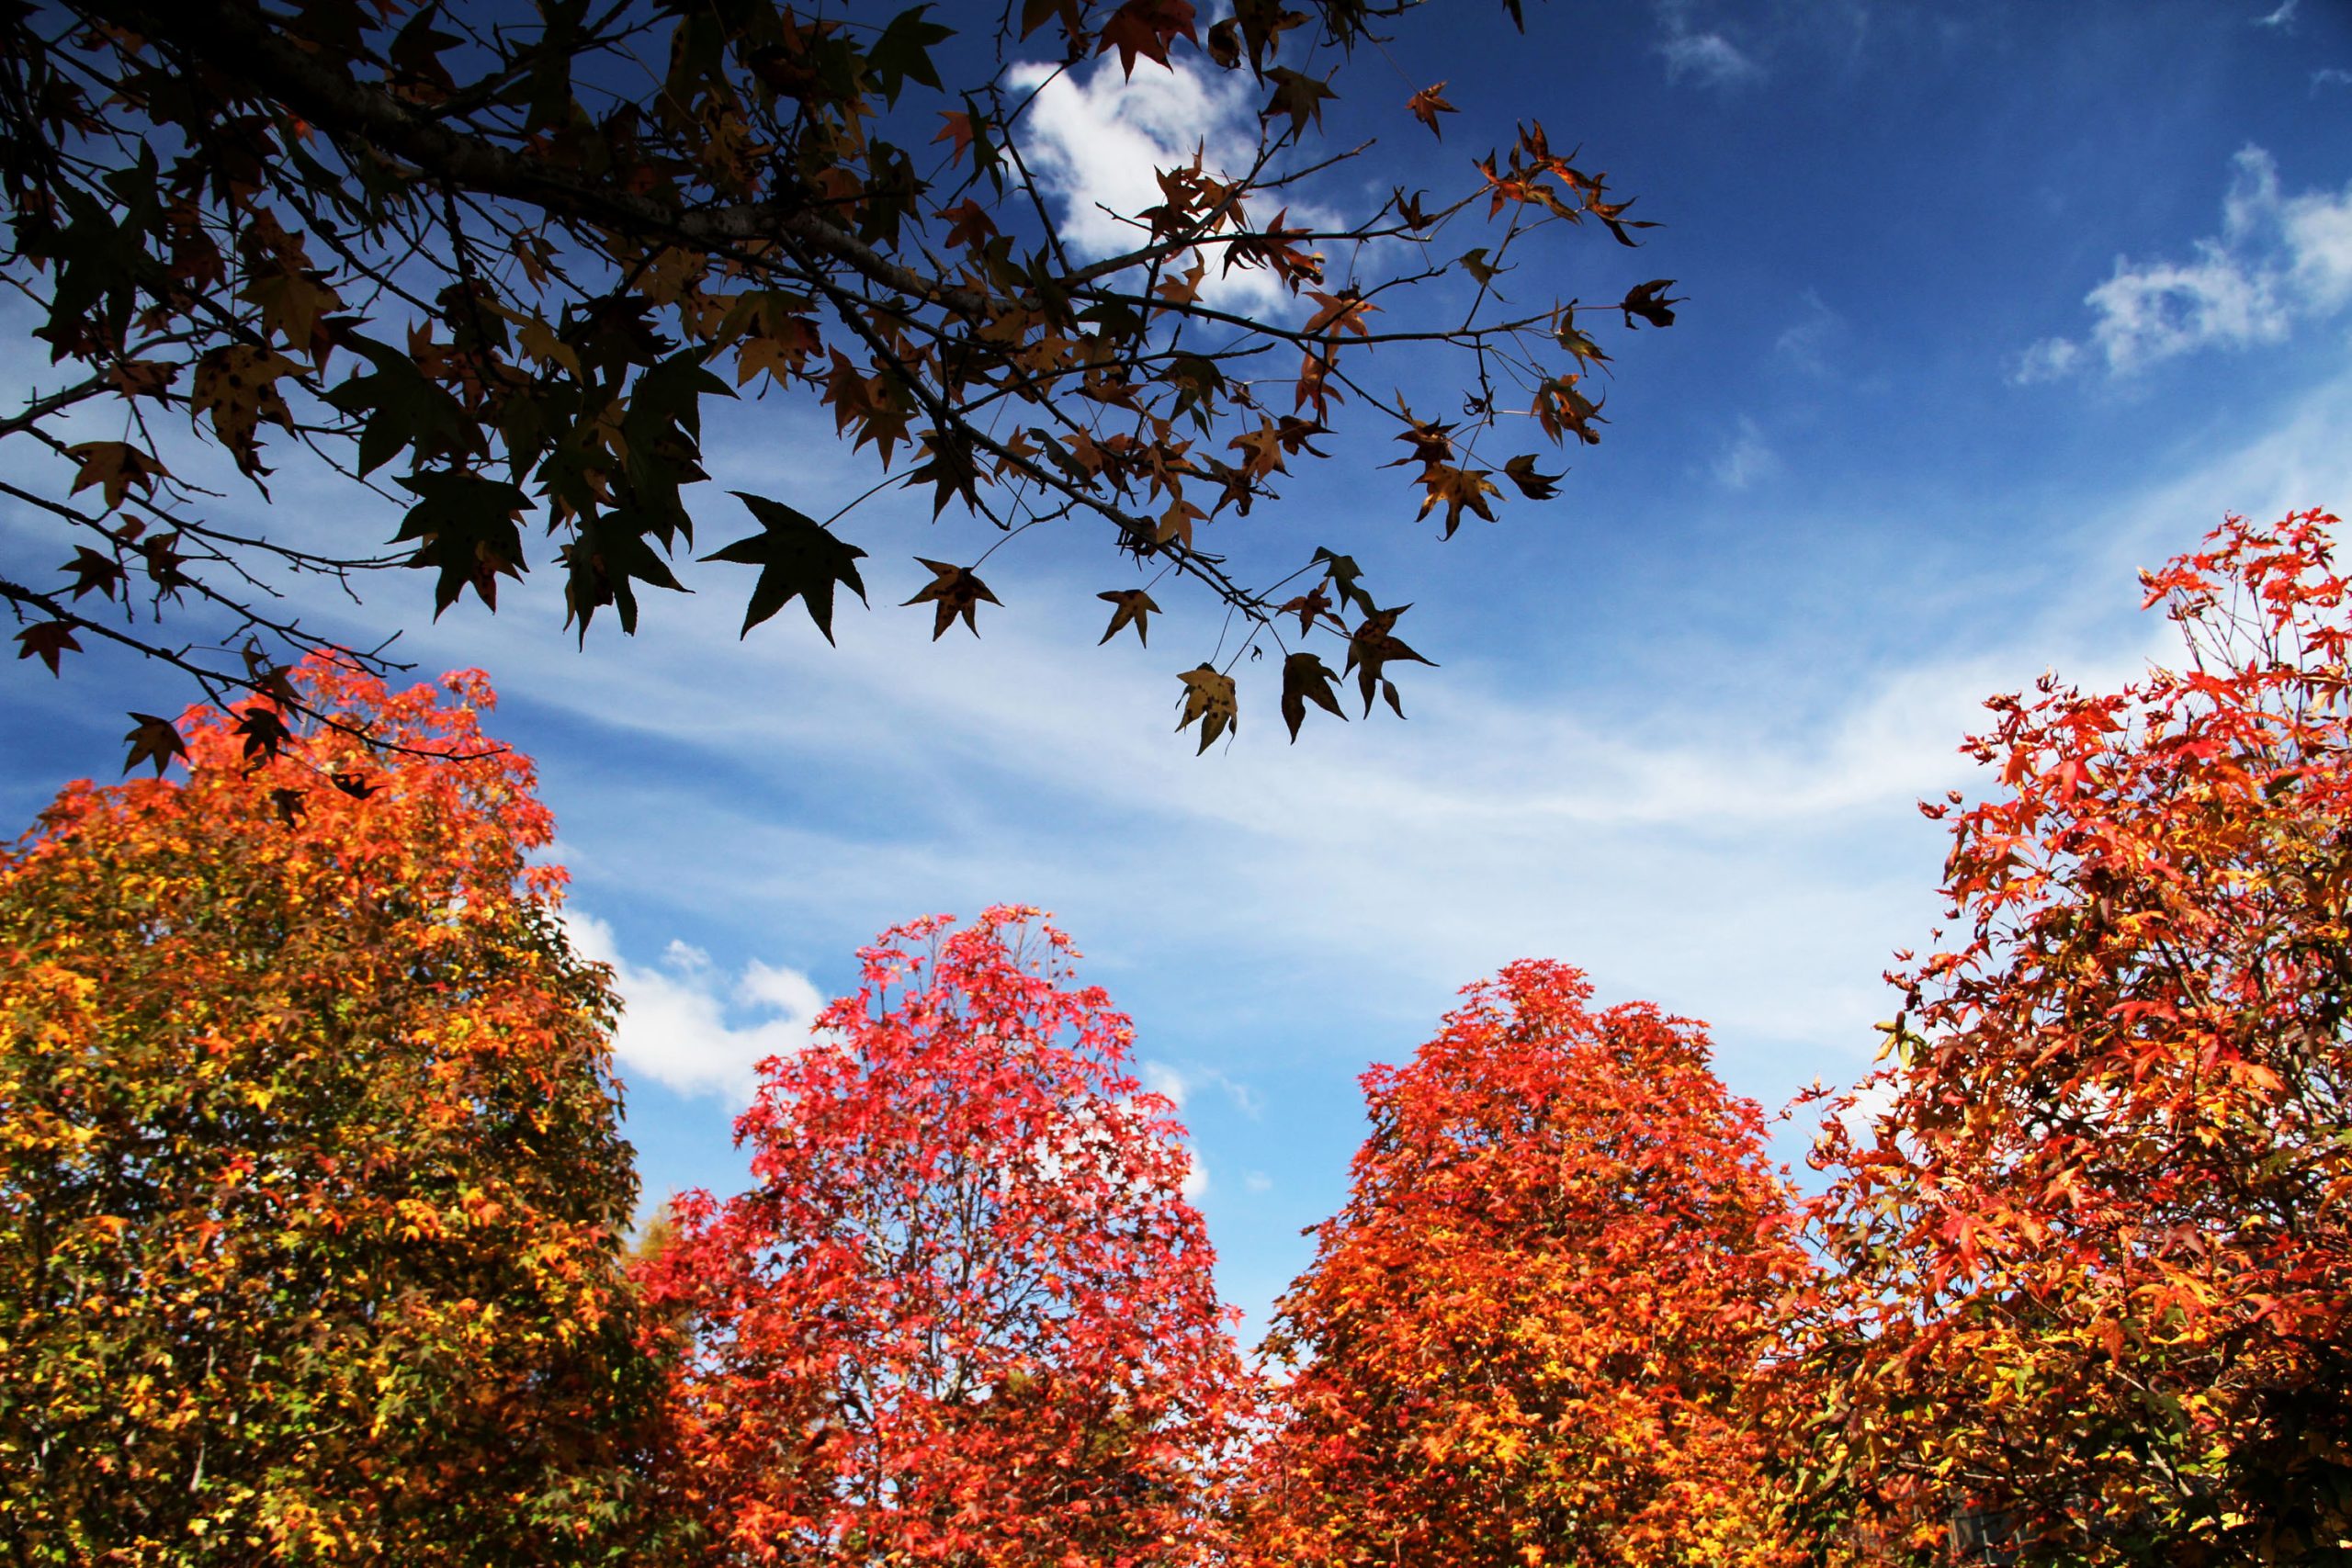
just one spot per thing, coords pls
(2094, 1261)
(966, 1313)
(501, 259)
(310, 1178)
(1525, 1338)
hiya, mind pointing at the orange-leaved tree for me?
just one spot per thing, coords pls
(967, 1314)
(1526, 1337)
(311, 1181)
(2093, 1287)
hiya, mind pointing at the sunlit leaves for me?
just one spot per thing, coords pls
(2091, 1239)
(1131, 607)
(952, 591)
(1524, 1338)
(1209, 701)
(965, 1314)
(1427, 105)
(311, 1176)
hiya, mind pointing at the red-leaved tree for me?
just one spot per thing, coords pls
(966, 1316)
(1525, 1339)
(2093, 1296)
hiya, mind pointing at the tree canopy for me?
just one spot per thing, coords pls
(967, 1314)
(495, 263)
(1527, 1337)
(311, 1182)
(2091, 1274)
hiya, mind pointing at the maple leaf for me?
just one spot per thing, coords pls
(236, 387)
(1298, 95)
(1307, 679)
(954, 590)
(1476, 264)
(1341, 572)
(154, 740)
(1309, 608)
(1146, 29)
(1176, 523)
(1341, 313)
(272, 681)
(1373, 646)
(290, 805)
(114, 467)
(467, 527)
(1458, 488)
(1036, 14)
(93, 570)
(406, 409)
(957, 133)
(1209, 697)
(797, 555)
(358, 786)
(1521, 471)
(903, 52)
(264, 733)
(1133, 606)
(48, 640)
(1648, 301)
(1427, 105)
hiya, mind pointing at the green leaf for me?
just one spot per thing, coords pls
(466, 527)
(407, 409)
(797, 555)
(904, 51)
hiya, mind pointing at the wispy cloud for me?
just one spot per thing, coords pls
(1747, 457)
(2330, 76)
(1707, 58)
(690, 1028)
(1698, 50)
(2283, 17)
(2278, 260)
(1805, 343)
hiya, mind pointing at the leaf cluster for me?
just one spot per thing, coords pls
(497, 265)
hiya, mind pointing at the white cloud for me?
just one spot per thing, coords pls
(1708, 58)
(2330, 76)
(1095, 139)
(1257, 1182)
(674, 1024)
(1747, 458)
(2282, 19)
(2277, 260)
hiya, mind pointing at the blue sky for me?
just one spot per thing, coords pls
(1989, 305)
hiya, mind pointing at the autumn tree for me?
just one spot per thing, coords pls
(2089, 1223)
(966, 1315)
(310, 1185)
(1525, 1338)
(495, 263)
